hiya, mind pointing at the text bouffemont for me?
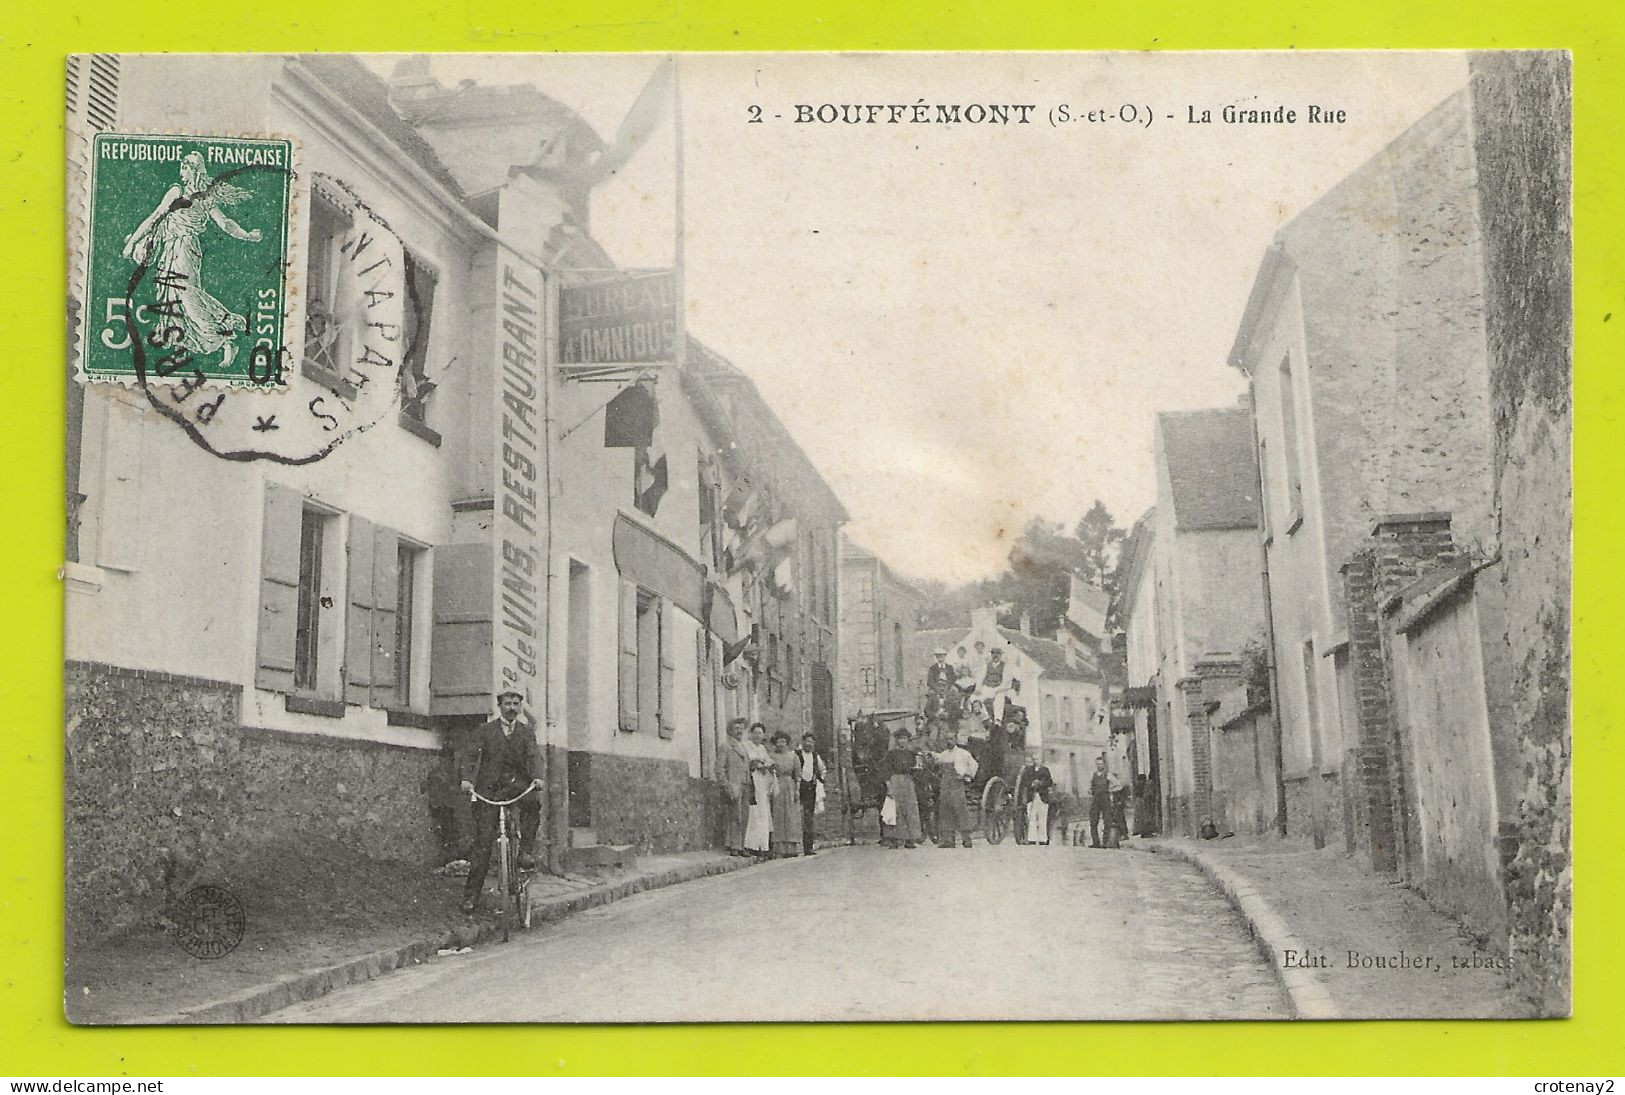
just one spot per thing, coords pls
(918, 113)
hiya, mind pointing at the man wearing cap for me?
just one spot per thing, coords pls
(939, 673)
(504, 761)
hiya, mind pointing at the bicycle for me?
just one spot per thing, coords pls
(512, 882)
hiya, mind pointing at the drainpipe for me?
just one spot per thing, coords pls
(1269, 621)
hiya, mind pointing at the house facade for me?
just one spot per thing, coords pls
(1064, 697)
(1367, 342)
(269, 650)
(880, 614)
(1192, 601)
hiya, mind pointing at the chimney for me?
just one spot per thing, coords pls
(410, 80)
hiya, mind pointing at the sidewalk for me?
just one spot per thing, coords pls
(1346, 943)
(322, 920)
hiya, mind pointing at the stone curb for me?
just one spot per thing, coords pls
(1308, 997)
(255, 1003)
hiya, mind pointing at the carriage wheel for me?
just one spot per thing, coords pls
(995, 809)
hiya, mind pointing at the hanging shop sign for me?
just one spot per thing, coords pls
(627, 320)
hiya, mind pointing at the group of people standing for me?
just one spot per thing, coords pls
(926, 784)
(774, 791)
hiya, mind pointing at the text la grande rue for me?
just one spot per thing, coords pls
(1230, 114)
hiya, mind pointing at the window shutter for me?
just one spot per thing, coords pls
(358, 612)
(460, 649)
(385, 586)
(628, 680)
(279, 587)
(668, 673)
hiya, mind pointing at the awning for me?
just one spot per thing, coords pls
(660, 566)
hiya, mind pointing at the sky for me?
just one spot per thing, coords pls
(968, 326)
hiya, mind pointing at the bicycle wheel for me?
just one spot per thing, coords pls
(503, 868)
(513, 892)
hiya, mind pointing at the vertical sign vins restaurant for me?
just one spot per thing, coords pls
(521, 482)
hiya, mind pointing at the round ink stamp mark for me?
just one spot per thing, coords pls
(209, 922)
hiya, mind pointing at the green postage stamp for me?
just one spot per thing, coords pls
(186, 262)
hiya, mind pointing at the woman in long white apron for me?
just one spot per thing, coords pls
(759, 822)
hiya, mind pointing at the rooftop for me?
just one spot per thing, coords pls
(1212, 468)
(368, 95)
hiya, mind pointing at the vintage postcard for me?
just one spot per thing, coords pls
(576, 538)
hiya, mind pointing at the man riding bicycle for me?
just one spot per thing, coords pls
(505, 760)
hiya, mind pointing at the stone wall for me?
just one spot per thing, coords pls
(1444, 722)
(652, 804)
(1244, 773)
(1522, 105)
(163, 783)
(1317, 811)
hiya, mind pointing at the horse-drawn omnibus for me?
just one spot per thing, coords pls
(991, 794)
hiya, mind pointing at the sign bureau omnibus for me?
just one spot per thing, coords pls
(630, 319)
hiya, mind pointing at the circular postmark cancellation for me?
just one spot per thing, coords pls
(188, 267)
(209, 922)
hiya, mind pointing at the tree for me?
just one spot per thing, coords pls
(1036, 583)
(1102, 544)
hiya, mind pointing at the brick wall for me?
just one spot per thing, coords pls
(1522, 137)
(163, 782)
(1369, 762)
(1197, 806)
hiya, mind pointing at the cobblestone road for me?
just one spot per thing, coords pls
(862, 933)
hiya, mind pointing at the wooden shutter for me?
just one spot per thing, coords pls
(628, 678)
(385, 586)
(279, 587)
(460, 649)
(668, 671)
(705, 703)
(358, 612)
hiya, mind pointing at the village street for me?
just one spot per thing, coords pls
(865, 933)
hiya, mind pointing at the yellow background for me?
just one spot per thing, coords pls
(37, 1041)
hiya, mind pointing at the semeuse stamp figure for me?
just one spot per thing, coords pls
(188, 251)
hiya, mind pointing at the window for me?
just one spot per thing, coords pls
(710, 512)
(1066, 714)
(408, 558)
(648, 669)
(706, 703)
(326, 337)
(648, 661)
(343, 608)
(1289, 439)
(1047, 707)
(826, 583)
(313, 527)
(1264, 486)
(416, 387)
